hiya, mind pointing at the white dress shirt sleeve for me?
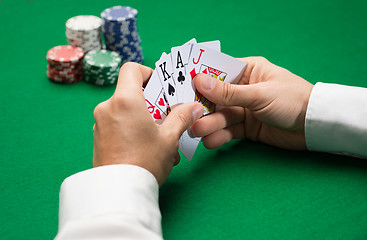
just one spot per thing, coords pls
(336, 120)
(110, 202)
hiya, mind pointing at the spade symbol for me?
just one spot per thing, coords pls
(181, 78)
(171, 90)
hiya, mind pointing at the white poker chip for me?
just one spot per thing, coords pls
(84, 31)
(84, 23)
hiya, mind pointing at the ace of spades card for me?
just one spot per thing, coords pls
(219, 65)
(155, 99)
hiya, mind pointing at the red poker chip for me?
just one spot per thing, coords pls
(63, 64)
(64, 81)
(61, 80)
(65, 54)
(65, 75)
(58, 66)
(69, 78)
(65, 71)
(58, 80)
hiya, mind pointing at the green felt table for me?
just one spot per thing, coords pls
(243, 190)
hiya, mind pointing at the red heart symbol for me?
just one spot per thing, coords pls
(161, 102)
(157, 114)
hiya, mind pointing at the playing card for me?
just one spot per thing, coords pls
(216, 64)
(188, 145)
(165, 72)
(155, 99)
(159, 108)
(180, 59)
(215, 45)
(171, 81)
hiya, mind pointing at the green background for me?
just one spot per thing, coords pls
(244, 190)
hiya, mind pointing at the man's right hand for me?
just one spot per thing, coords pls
(269, 105)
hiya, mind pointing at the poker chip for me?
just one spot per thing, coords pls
(121, 33)
(84, 31)
(101, 67)
(65, 64)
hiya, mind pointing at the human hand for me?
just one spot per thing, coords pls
(269, 105)
(125, 133)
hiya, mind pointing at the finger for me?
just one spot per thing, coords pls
(182, 117)
(223, 136)
(132, 77)
(227, 94)
(211, 123)
(255, 69)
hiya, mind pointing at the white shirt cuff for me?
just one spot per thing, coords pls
(336, 119)
(104, 192)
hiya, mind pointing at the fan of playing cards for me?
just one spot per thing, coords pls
(172, 81)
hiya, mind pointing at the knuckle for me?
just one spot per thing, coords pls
(262, 60)
(123, 101)
(257, 96)
(228, 92)
(128, 66)
(169, 137)
(175, 145)
(182, 118)
(99, 110)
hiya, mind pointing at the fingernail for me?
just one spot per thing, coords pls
(207, 82)
(197, 112)
(190, 133)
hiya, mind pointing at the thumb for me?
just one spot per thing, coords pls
(223, 93)
(182, 117)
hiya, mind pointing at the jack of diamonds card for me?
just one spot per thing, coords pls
(219, 65)
(209, 107)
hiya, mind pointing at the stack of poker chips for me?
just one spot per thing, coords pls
(101, 67)
(65, 64)
(84, 31)
(121, 33)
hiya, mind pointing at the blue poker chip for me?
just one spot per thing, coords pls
(126, 51)
(128, 22)
(121, 39)
(121, 34)
(121, 42)
(122, 28)
(124, 47)
(119, 13)
(133, 58)
(130, 35)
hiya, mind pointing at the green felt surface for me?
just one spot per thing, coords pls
(243, 190)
